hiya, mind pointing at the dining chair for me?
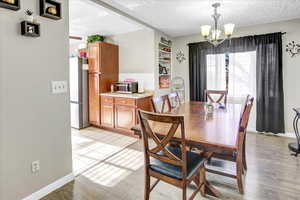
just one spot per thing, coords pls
(222, 96)
(174, 100)
(237, 156)
(173, 165)
(161, 104)
(244, 144)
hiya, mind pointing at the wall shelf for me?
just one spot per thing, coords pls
(164, 63)
(30, 29)
(15, 6)
(47, 5)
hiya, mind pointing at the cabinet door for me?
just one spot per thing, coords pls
(125, 117)
(94, 99)
(94, 57)
(107, 112)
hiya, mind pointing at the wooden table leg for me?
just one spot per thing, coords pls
(207, 188)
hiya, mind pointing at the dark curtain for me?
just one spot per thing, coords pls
(197, 60)
(269, 84)
(270, 110)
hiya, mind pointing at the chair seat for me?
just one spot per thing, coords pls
(294, 147)
(194, 162)
(225, 153)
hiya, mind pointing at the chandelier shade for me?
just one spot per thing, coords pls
(205, 30)
(228, 29)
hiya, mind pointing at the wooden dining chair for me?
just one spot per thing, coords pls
(239, 155)
(246, 102)
(222, 96)
(173, 165)
(174, 100)
(161, 104)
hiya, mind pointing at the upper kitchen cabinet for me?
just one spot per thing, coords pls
(94, 57)
(103, 58)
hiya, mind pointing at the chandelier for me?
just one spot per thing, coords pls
(213, 35)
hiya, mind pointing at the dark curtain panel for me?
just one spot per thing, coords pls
(270, 109)
(269, 84)
(197, 60)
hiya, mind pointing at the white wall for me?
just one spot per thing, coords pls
(34, 124)
(291, 66)
(138, 57)
(135, 51)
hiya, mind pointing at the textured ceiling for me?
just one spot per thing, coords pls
(88, 18)
(184, 17)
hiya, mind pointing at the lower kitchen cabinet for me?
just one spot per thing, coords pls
(119, 114)
(107, 115)
(125, 117)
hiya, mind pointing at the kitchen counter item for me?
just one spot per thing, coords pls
(134, 95)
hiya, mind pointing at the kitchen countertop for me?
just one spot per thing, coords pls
(134, 95)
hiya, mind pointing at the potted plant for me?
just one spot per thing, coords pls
(95, 38)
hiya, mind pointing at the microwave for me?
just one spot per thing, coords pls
(126, 87)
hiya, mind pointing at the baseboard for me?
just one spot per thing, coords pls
(50, 188)
(289, 135)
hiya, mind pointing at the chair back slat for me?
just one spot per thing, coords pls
(244, 106)
(244, 123)
(223, 95)
(160, 104)
(174, 100)
(246, 114)
(160, 151)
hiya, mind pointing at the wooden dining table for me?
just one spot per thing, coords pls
(218, 130)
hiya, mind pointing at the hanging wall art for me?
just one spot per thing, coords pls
(292, 48)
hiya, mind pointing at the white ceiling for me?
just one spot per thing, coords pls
(184, 17)
(88, 18)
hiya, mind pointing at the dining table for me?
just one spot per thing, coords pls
(215, 131)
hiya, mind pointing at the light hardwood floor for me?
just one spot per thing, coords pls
(272, 174)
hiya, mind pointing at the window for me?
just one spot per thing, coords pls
(241, 68)
(216, 74)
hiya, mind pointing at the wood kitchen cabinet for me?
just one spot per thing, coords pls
(119, 114)
(94, 57)
(94, 100)
(103, 59)
(107, 112)
(125, 116)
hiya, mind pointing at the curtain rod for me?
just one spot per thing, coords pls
(282, 33)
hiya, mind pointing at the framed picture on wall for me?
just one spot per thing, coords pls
(164, 82)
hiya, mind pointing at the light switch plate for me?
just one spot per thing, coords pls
(35, 166)
(59, 87)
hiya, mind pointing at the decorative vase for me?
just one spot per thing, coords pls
(35, 19)
(209, 108)
(29, 18)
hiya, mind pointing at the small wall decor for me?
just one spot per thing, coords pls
(10, 4)
(29, 15)
(30, 29)
(50, 9)
(292, 48)
(180, 57)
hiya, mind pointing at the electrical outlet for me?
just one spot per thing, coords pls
(35, 166)
(59, 87)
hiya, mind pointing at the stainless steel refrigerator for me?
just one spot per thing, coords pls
(78, 93)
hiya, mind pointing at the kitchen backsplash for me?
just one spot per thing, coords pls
(146, 80)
